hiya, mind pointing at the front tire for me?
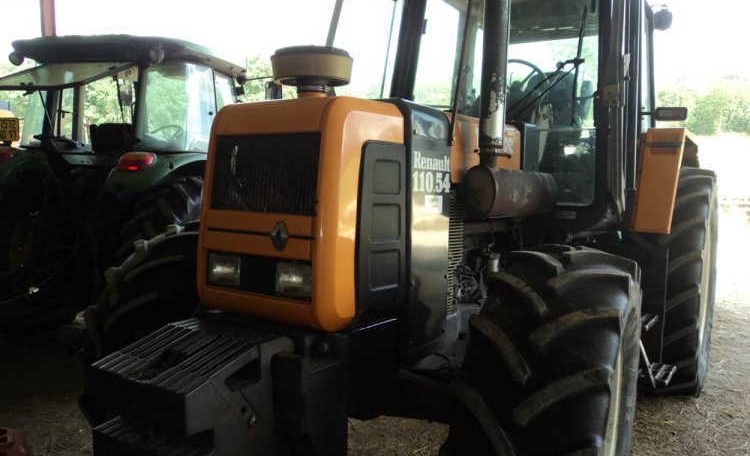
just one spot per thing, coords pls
(552, 362)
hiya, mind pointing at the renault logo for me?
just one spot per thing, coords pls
(279, 235)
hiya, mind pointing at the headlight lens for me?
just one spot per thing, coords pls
(224, 269)
(294, 280)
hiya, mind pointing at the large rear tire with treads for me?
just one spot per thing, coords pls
(176, 202)
(152, 287)
(552, 362)
(691, 281)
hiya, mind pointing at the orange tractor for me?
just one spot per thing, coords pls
(508, 255)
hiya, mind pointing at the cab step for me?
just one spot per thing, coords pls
(653, 376)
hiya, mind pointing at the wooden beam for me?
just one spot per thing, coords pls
(47, 13)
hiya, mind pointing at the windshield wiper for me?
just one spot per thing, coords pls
(574, 100)
(558, 73)
(47, 117)
(119, 98)
(576, 62)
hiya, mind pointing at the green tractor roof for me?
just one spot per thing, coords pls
(119, 48)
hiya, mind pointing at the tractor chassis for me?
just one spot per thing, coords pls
(214, 384)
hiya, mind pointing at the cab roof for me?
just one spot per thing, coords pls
(119, 48)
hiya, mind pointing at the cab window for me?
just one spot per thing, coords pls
(368, 31)
(552, 73)
(65, 114)
(178, 108)
(551, 86)
(224, 90)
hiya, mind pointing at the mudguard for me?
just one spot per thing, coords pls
(662, 151)
(127, 185)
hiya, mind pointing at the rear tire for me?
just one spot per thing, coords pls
(691, 281)
(177, 202)
(552, 362)
(154, 286)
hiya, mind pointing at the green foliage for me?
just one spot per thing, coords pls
(257, 67)
(166, 101)
(723, 107)
(18, 100)
(100, 103)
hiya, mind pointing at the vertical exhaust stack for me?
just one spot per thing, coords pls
(489, 191)
(494, 84)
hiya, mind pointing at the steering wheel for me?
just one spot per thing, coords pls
(178, 131)
(534, 70)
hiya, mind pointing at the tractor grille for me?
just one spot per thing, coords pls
(455, 247)
(268, 173)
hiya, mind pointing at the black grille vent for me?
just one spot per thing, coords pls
(268, 173)
(455, 247)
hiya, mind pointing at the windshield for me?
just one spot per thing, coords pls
(551, 83)
(552, 72)
(368, 31)
(59, 75)
(178, 107)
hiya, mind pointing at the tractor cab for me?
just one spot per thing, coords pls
(111, 126)
(91, 99)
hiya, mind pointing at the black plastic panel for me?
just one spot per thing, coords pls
(266, 173)
(428, 182)
(381, 231)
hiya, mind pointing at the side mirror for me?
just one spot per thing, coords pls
(662, 19)
(676, 114)
(16, 58)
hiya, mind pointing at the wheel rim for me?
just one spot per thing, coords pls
(615, 406)
(708, 254)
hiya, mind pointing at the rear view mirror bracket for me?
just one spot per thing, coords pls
(668, 114)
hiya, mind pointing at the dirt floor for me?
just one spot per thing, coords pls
(39, 383)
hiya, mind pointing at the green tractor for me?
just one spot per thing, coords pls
(112, 149)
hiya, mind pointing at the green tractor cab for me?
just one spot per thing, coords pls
(113, 132)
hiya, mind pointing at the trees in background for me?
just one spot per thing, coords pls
(724, 107)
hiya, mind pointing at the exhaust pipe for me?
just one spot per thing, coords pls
(494, 84)
(491, 192)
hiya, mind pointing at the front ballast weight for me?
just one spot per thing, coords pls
(207, 387)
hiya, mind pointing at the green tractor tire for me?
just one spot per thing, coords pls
(153, 286)
(175, 202)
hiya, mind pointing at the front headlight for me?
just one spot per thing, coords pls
(224, 269)
(294, 280)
